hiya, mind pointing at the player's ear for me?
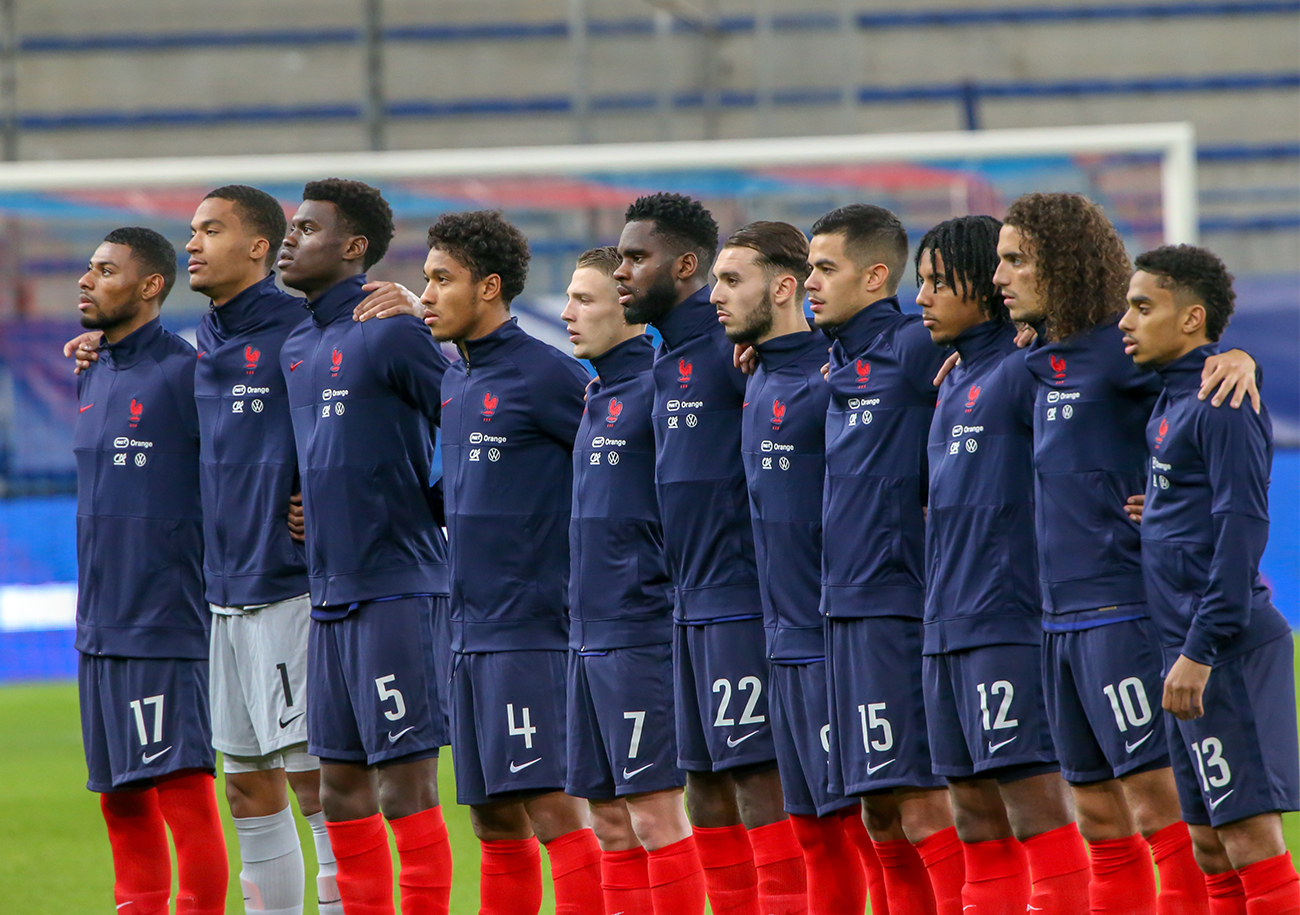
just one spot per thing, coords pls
(259, 249)
(151, 287)
(784, 287)
(356, 248)
(687, 264)
(490, 287)
(877, 277)
(1193, 318)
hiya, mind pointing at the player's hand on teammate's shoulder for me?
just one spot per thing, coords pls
(1133, 508)
(387, 299)
(1232, 373)
(297, 522)
(1185, 688)
(953, 360)
(745, 358)
(83, 348)
(1025, 335)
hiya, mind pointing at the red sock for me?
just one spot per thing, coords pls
(424, 851)
(142, 863)
(625, 881)
(189, 805)
(1058, 869)
(677, 879)
(1182, 885)
(856, 830)
(778, 862)
(1227, 895)
(942, 855)
(836, 884)
(575, 868)
(728, 861)
(1272, 886)
(1123, 881)
(997, 878)
(906, 883)
(510, 877)
(365, 875)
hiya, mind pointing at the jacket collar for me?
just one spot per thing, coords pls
(858, 331)
(984, 341)
(780, 351)
(689, 318)
(337, 301)
(490, 346)
(1184, 373)
(133, 347)
(246, 310)
(625, 359)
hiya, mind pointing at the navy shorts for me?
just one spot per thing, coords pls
(507, 724)
(442, 660)
(877, 706)
(621, 724)
(985, 713)
(801, 730)
(1240, 759)
(1103, 690)
(720, 675)
(142, 718)
(372, 690)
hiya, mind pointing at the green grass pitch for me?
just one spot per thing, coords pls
(54, 855)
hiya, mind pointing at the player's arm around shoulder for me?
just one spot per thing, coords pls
(557, 387)
(408, 360)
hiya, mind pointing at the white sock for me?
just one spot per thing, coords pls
(273, 874)
(327, 889)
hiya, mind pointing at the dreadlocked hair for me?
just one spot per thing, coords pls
(968, 247)
(1081, 266)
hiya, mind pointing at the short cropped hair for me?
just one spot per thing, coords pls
(156, 253)
(872, 235)
(364, 210)
(682, 220)
(1197, 274)
(484, 243)
(781, 248)
(605, 259)
(257, 210)
(968, 247)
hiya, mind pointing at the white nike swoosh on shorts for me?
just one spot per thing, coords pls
(515, 769)
(627, 774)
(739, 741)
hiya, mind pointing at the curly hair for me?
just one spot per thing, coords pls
(484, 243)
(1081, 266)
(968, 246)
(259, 211)
(1197, 274)
(152, 250)
(364, 210)
(872, 235)
(682, 220)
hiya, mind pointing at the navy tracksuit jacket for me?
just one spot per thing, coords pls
(364, 399)
(139, 521)
(981, 565)
(703, 499)
(784, 445)
(249, 468)
(1205, 521)
(882, 398)
(511, 409)
(620, 595)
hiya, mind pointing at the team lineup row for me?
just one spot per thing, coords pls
(899, 624)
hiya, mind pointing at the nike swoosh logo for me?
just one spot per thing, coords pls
(447, 401)
(1214, 804)
(871, 770)
(627, 774)
(147, 758)
(392, 738)
(285, 724)
(745, 404)
(739, 741)
(294, 365)
(994, 747)
(83, 410)
(1130, 747)
(123, 905)
(515, 769)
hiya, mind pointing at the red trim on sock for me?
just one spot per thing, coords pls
(189, 805)
(778, 864)
(625, 881)
(906, 882)
(575, 868)
(997, 878)
(142, 865)
(1227, 895)
(836, 882)
(1272, 886)
(729, 874)
(946, 868)
(1123, 880)
(365, 865)
(856, 830)
(424, 852)
(677, 879)
(510, 877)
(1058, 871)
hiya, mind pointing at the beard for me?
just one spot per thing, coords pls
(757, 324)
(651, 306)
